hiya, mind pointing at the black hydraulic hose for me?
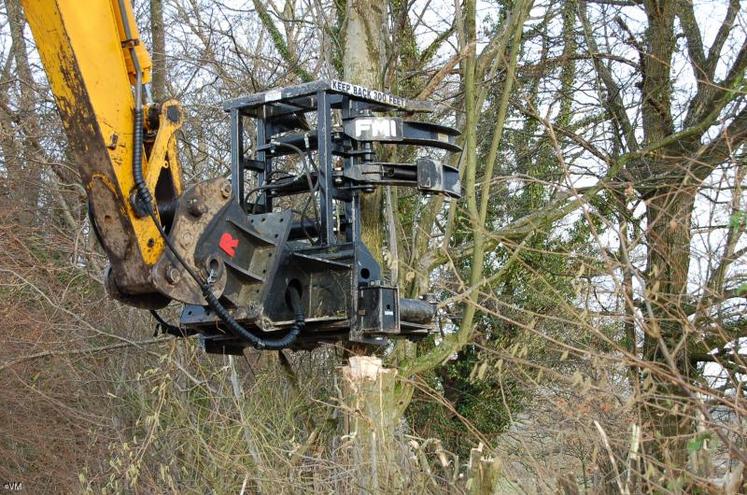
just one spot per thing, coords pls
(144, 198)
(259, 342)
(165, 326)
(300, 154)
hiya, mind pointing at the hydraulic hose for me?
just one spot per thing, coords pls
(144, 199)
(165, 326)
(259, 342)
(306, 168)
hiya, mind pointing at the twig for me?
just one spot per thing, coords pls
(110, 347)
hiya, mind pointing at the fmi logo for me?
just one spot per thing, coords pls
(376, 128)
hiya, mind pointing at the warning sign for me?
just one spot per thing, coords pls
(368, 93)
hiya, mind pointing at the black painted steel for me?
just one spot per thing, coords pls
(297, 226)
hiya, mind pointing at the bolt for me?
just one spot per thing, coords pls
(196, 207)
(185, 239)
(225, 189)
(252, 311)
(172, 275)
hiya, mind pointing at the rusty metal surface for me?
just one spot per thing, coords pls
(200, 205)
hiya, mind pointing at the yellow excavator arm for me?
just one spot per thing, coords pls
(96, 66)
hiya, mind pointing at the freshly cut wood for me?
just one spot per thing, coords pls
(371, 417)
(483, 472)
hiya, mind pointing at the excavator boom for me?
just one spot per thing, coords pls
(87, 55)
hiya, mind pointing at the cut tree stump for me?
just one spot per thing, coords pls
(483, 472)
(371, 417)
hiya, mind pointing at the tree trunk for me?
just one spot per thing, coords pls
(666, 413)
(370, 390)
(666, 409)
(370, 420)
(483, 472)
(24, 171)
(363, 62)
(158, 31)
